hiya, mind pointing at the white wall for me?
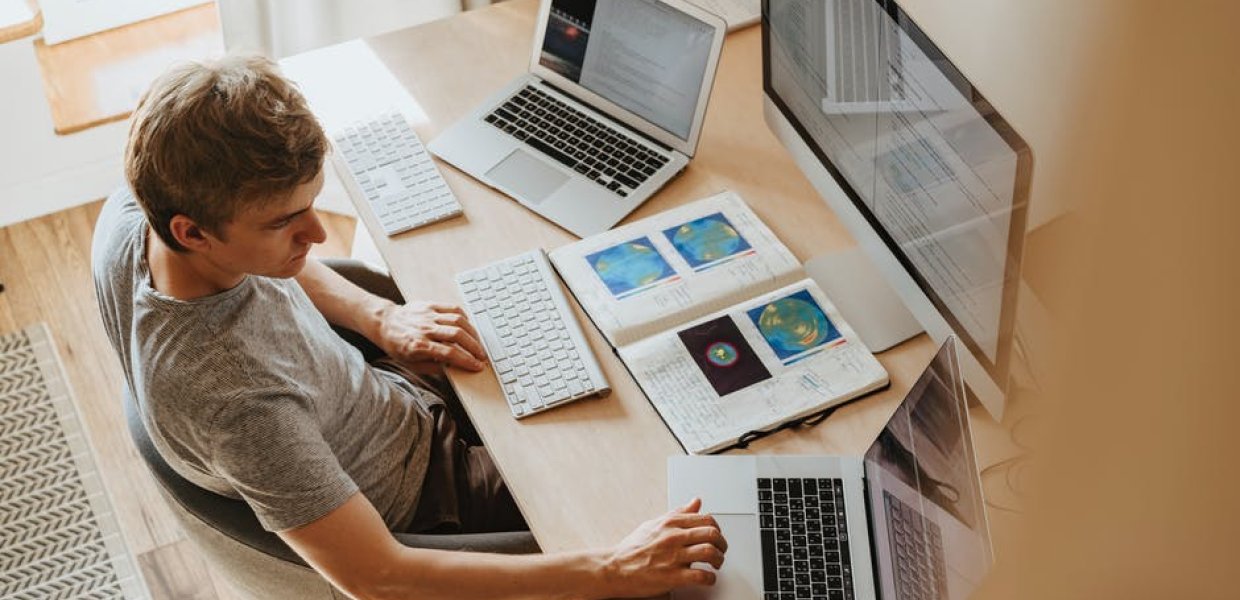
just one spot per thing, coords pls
(41, 172)
(281, 28)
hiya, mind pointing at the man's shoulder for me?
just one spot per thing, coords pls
(120, 223)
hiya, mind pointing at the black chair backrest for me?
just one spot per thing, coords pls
(235, 519)
(231, 517)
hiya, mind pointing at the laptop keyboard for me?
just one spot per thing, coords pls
(804, 539)
(577, 140)
(917, 549)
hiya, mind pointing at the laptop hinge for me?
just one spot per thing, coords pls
(613, 120)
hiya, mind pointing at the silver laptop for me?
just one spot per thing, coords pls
(904, 522)
(610, 110)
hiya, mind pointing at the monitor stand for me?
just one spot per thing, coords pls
(861, 294)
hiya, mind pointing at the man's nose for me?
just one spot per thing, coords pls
(314, 233)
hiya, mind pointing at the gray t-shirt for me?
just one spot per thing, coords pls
(250, 394)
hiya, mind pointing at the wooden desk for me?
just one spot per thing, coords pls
(586, 473)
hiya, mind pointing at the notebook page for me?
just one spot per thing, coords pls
(652, 274)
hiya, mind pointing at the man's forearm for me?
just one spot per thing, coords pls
(430, 575)
(341, 302)
(352, 547)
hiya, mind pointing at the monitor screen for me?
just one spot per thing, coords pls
(643, 55)
(928, 523)
(935, 171)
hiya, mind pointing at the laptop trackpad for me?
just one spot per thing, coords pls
(527, 176)
(741, 575)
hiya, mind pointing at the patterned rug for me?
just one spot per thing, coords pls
(58, 535)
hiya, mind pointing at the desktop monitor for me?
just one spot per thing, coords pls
(927, 176)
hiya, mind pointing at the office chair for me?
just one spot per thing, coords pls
(257, 562)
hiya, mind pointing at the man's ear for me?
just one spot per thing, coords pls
(189, 234)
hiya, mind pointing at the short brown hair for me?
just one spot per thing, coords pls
(211, 139)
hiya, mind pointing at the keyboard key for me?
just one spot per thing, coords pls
(769, 570)
(552, 152)
(626, 180)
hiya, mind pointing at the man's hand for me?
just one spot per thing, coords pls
(427, 335)
(657, 556)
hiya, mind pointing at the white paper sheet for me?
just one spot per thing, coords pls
(346, 83)
(764, 386)
(738, 13)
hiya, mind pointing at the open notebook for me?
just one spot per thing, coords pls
(717, 322)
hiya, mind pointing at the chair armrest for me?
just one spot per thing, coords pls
(507, 542)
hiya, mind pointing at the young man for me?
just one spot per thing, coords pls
(223, 326)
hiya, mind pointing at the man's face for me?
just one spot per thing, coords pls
(273, 238)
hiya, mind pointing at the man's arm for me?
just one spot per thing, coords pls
(353, 549)
(419, 333)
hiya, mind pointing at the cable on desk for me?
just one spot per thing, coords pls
(1012, 468)
(803, 422)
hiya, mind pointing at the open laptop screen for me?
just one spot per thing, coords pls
(643, 55)
(929, 525)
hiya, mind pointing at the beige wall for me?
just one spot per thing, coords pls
(1026, 57)
(1131, 106)
(41, 172)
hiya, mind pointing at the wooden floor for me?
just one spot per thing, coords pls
(45, 268)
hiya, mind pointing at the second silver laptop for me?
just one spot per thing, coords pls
(610, 110)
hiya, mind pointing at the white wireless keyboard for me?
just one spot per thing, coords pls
(537, 349)
(395, 173)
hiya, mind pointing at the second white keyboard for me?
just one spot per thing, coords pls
(537, 349)
(395, 173)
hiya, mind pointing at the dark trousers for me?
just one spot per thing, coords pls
(463, 491)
